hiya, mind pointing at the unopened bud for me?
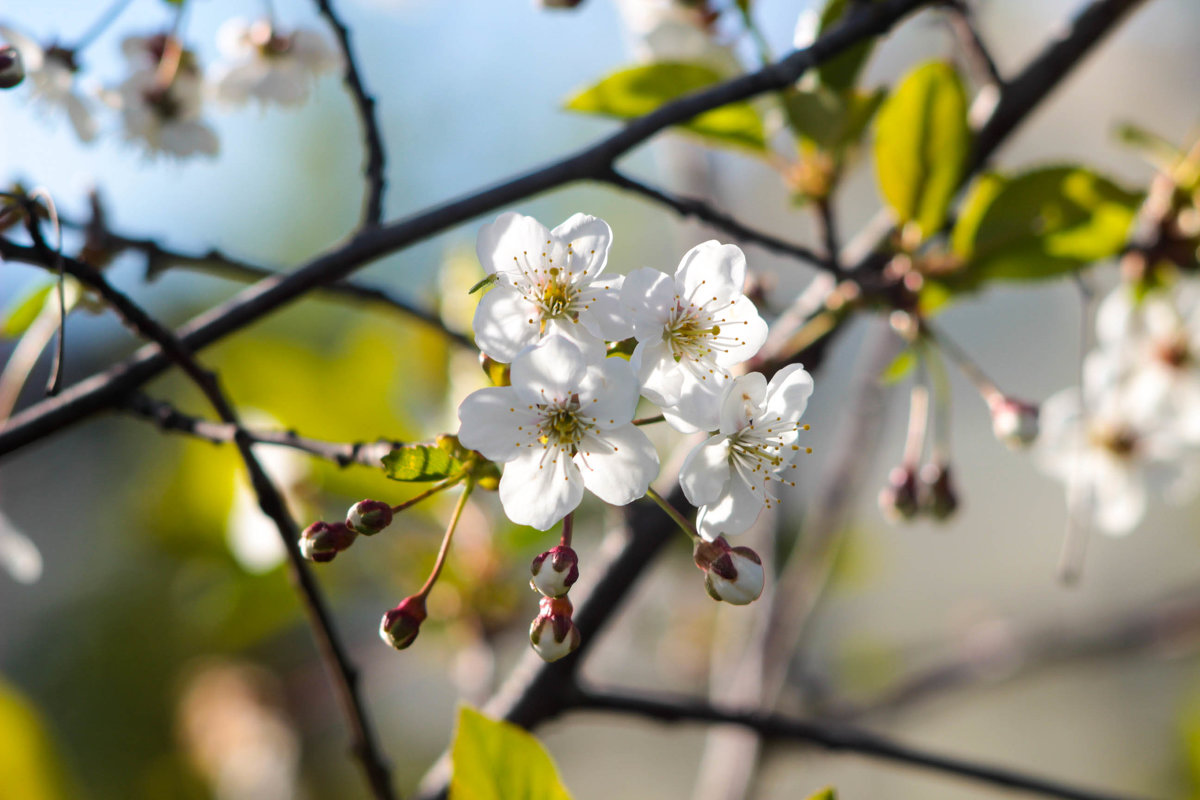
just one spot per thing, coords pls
(400, 626)
(12, 68)
(1014, 422)
(555, 571)
(732, 574)
(321, 541)
(369, 517)
(940, 498)
(899, 499)
(552, 632)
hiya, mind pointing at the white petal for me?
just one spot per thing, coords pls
(618, 464)
(699, 403)
(589, 237)
(648, 296)
(603, 314)
(548, 372)
(591, 346)
(505, 323)
(705, 473)
(496, 423)
(18, 554)
(1115, 316)
(660, 377)
(734, 512)
(31, 52)
(510, 236)
(1120, 500)
(711, 269)
(81, 118)
(741, 321)
(742, 401)
(540, 488)
(608, 393)
(788, 392)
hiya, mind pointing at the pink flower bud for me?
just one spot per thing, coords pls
(899, 499)
(400, 626)
(940, 498)
(555, 571)
(321, 541)
(1014, 422)
(552, 632)
(732, 574)
(12, 68)
(369, 517)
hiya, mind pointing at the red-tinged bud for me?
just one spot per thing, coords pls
(940, 499)
(553, 633)
(555, 571)
(732, 574)
(321, 541)
(899, 500)
(369, 517)
(12, 68)
(1014, 422)
(400, 626)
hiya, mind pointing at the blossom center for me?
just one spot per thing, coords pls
(1120, 441)
(1174, 352)
(562, 425)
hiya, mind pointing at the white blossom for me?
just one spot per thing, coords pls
(1108, 454)
(19, 556)
(268, 65)
(690, 330)
(669, 30)
(729, 475)
(52, 72)
(164, 118)
(564, 424)
(547, 283)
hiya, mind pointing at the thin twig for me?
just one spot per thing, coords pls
(693, 207)
(666, 708)
(979, 57)
(373, 170)
(333, 654)
(170, 419)
(827, 222)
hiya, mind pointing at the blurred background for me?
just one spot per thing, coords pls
(162, 652)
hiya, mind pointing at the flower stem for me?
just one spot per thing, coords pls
(425, 495)
(649, 420)
(100, 25)
(673, 513)
(445, 548)
(172, 57)
(940, 414)
(918, 418)
(567, 529)
(986, 386)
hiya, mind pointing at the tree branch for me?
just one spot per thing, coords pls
(828, 736)
(105, 388)
(170, 419)
(373, 169)
(979, 57)
(333, 654)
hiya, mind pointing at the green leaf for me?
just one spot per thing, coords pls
(828, 793)
(633, 92)
(901, 365)
(841, 72)
(421, 462)
(921, 142)
(1155, 149)
(21, 314)
(1041, 224)
(831, 120)
(494, 760)
(29, 766)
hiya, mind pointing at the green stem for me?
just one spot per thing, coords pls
(683, 522)
(425, 495)
(445, 548)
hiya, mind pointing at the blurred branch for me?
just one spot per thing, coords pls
(271, 502)
(170, 419)
(105, 388)
(835, 737)
(979, 57)
(694, 207)
(373, 170)
(827, 222)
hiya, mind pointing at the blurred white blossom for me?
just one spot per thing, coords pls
(269, 65)
(52, 72)
(19, 556)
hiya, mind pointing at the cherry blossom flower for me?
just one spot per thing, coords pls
(268, 65)
(1108, 454)
(670, 30)
(547, 283)
(564, 424)
(690, 330)
(729, 475)
(52, 72)
(165, 118)
(1153, 347)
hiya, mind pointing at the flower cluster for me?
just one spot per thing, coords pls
(1132, 430)
(162, 99)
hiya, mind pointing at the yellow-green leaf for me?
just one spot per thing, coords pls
(921, 143)
(1041, 224)
(21, 314)
(828, 793)
(901, 365)
(29, 766)
(421, 462)
(493, 760)
(832, 120)
(633, 92)
(841, 72)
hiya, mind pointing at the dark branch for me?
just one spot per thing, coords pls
(373, 170)
(979, 57)
(103, 389)
(693, 207)
(170, 419)
(828, 736)
(333, 654)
